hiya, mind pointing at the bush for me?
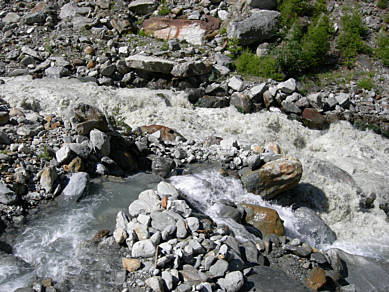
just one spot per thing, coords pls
(250, 64)
(365, 83)
(163, 9)
(301, 53)
(382, 50)
(350, 40)
(291, 9)
(386, 17)
(382, 4)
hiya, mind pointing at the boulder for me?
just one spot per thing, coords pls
(241, 102)
(288, 86)
(89, 118)
(260, 26)
(48, 179)
(193, 31)
(273, 177)
(191, 68)
(264, 219)
(166, 134)
(313, 229)
(64, 154)
(130, 265)
(162, 166)
(313, 119)
(143, 249)
(316, 278)
(151, 64)
(7, 197)
(4, 117)
(77, 185)
(4, 138)
(232, 282)
(100, 142)
(265, 279)
(142, 7)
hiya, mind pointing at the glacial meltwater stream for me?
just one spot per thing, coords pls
(56, 243)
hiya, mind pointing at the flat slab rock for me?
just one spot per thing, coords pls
(266, 279)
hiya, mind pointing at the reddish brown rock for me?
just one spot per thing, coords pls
(167, 134)
(192, 31)
(273, 177)
(164, 202)
(264, 219)
(130, 265)
(100, 235)
(316, 278)
(76, 165)
(313, 119)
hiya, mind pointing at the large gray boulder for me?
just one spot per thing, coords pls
(7, 197)
(151, 64)
(77, 185)
(260, 26)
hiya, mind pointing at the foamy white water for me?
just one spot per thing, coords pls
(339, 165)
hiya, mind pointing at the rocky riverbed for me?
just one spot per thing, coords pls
(286, 194)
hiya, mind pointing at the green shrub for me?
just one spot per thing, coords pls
(350, 41)
(234, 48)
(382, 4)
(163, 9)
(250, 64)
(382, 50)
(365, 83)
(300, 53)
(386, 17)
(291, 9)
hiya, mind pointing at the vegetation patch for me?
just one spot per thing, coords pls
(350, 41)
(365, 83)
(163, 9)
(382, 50)
(382, 4)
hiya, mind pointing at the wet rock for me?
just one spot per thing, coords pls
(130, 265)
(48, 179)
(273, 177)
(4, 117)
(7, 197)
(241, 102)
(192, 31)
(143, 248)
(260, 26)
(162, 166)
(312, 227)
(151, 64)
(233, 281)
(264, 219)
(77, 185)
(89, 118)
(264, 279)
(313, 119)
(316, 278)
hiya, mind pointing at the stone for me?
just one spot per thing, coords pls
(108, 70)
(48, 179)
(142, 7)
(192, 31)
(264, 279)
(316, 100)
(100, 142)
(316, 278)
(166, 134)
(151, 64)
(11, 17)
(120, 235)
(4, 118)
(232, 282)
(191, 68)
(64, 154)
(192, 275)
(155, 283)
(179, 207)
(4, 138)
(219, 269)
(264, 219)
(56, 72)
(37, 17)
(313, 119)
(273, 177)
(290, 107)
(161, 220)
(257, 91)
(89, 118)
(236, 83)
(288, 86)
(77, 185)
(342, 99)
(313, 228)
(222, 60)
(76, 165)
(162, 166)
(263, 4)
(7, 197)
(140, 230)
(151, 198)
(181, 230)
(143, 249)
(241, 102)
(130, 265)
(193, 224)
(138, 207)
(260, 26)
(168, 280)
(164, 188)
(68, 10)
(268, 98)
(81, 150)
